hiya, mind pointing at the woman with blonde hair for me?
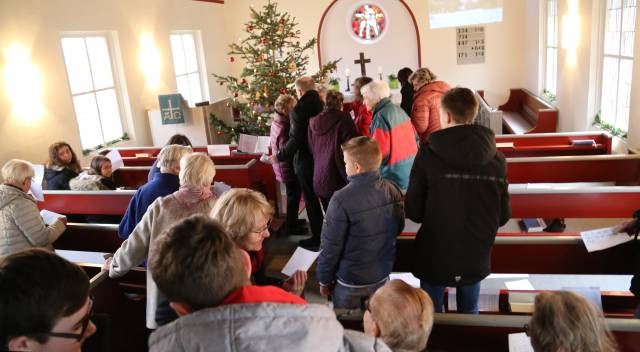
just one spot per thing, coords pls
(400, 315)
(565, 321)
(193, 197)
(21, 225)
(425, 111)
(246, 215)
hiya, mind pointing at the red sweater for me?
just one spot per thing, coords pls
(262, 294)
(363, 118)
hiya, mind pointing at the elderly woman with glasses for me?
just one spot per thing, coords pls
(21, 225)
(193, 197)
(246, 215)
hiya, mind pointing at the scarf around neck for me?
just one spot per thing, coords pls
(191, 195)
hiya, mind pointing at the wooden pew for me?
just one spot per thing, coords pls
(621, 169)
(525, 112)
(266, 182)
(120, 302)
(553, 144)
(87, 202)
(239, 175)
(89, 237)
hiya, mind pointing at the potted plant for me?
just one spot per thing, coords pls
(334, 84)
(393, 81)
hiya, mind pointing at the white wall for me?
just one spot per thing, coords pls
(36, 25)
(397, 48)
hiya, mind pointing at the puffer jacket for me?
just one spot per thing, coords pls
(392, 129)
(425, 111)
(262, 327)
(21, 225)
(459, 192)
(87, 181)
(361, 226)
(327, 132)
(278, 137)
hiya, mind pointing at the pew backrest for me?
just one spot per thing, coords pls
(554, 144)
(524, 112)
(87, 202)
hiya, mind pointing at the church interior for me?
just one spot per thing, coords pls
(192, 105)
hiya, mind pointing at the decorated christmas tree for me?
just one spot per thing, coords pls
(272, 58)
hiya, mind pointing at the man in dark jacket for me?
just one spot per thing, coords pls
(458, 191)
(362, 223)
(297, 148)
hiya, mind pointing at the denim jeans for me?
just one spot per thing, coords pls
(466, 297)
(353, 297)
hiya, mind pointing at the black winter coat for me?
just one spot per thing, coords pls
(458, 191)
(58, 178)
(297, 147)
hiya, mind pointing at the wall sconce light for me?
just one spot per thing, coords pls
(149, 58)
(23, 84)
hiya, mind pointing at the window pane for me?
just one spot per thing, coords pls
(624, 94)
(612, 28)
(183, 87)
(551, 77)
(190, 53)
(178, 55)
(109, 114)
(88, 120)
(609, 89)
(194, 88)
(100, 62)
(75, 58)
(628, 28)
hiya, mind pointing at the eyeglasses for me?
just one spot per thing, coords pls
(85, 324)
(263, 229)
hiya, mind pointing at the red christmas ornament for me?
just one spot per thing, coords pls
(221, 83)
(232, 59)
(244, 81)
(219, 133)
(282, 20)
(297, 43)
(290, 34)
(283, 91)
(235, 95)
(264, 41)
(250, 28)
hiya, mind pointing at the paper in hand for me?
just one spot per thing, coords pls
(50, 217)
(520, 342)
(116, 159)
(39, 173)
(599, 239)
(36, 191)
(302, 259)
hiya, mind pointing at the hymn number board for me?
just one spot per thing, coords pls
(470, 43)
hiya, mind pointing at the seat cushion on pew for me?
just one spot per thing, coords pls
(515, 123)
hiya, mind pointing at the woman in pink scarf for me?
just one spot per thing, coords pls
(193, 197)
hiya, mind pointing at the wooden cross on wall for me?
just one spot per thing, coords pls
(362, 62)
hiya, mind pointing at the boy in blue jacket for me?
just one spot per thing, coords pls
(360, 228)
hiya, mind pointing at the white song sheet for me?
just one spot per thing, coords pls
(520, 342)
(302, 259)
(50, 217)
(219, 150)
(116, 159)
(599, 239)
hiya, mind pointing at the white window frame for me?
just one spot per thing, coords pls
(601, 56)
(116, 72)
(546, 46)
(202, 69)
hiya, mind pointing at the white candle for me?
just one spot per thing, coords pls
(347, 72)
(379, 69)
